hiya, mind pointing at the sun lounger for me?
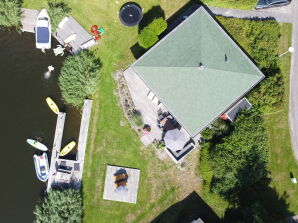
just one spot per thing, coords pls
(150, 95)
(155, 101)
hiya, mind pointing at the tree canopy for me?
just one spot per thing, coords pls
(57, 11)
(63, 206)
(10, 13)
(79, 78)
(240, 159)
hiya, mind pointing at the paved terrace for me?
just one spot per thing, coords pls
(67, 27)
(63, 171)
(146, 107)
(149, 111)
(133, 176)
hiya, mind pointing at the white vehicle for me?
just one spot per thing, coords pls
(41, 166)
(43, 31)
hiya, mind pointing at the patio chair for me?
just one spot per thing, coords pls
(150, 95)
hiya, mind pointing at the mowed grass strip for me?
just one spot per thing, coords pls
(282, 161)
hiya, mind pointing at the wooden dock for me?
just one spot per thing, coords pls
(83, 136)
(69, 172)
(28, 20)
(56, 147)
(67, 27)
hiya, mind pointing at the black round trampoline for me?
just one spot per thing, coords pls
(130, 14)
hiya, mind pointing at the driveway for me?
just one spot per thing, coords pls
(293, 111)
(282, 14)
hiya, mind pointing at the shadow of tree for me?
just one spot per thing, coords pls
(258, 203)
(190, 208)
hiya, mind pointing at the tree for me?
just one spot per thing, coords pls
(269, 94)
(63, 206)
(149, 35)
(10, 13)
(240, 159)
(79, 78)
(57, 12)
(218, 129)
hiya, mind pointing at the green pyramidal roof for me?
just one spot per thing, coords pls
(197, 71)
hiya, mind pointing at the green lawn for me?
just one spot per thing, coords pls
(281, 160)
(281, 156)
(235, 4)
(111, 143)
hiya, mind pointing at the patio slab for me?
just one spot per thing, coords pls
(132, 185)
(146, 107)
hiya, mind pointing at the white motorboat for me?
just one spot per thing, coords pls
(43, 31)
(41, 166)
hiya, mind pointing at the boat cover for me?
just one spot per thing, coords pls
(43, 34)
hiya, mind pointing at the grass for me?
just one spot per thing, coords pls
(281, 161)
(111, 143)
(235, 4)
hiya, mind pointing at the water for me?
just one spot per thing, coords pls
(24, 113)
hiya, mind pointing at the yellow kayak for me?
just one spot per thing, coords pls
(52, 105)
(68, 148)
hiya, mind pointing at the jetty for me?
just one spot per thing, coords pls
(56, 147)
(64, 171)
(67, 27)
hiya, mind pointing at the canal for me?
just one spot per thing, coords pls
(25, 114)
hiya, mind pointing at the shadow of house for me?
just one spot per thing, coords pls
(150, 15)
(189, 209)
(179, 16)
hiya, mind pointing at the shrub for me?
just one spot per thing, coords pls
(158, 26)
(218, 129)
(79, 78)
(147, 39)
(137, 118)
(60, 207)
(269, 94)
(57, 11)
(149, 35)
(10, 13)
(260, 40)
(205, 168)
(240, 160)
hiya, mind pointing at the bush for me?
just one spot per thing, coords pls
(218, 129)
(240, 160)
(137, 118)
(158, 26)
(147, 39)
(269, 95)
(260, 40)
(79, 78)
(205, 168)
(10, 13)
(149, 35)
(57, 12)
(60, 207)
